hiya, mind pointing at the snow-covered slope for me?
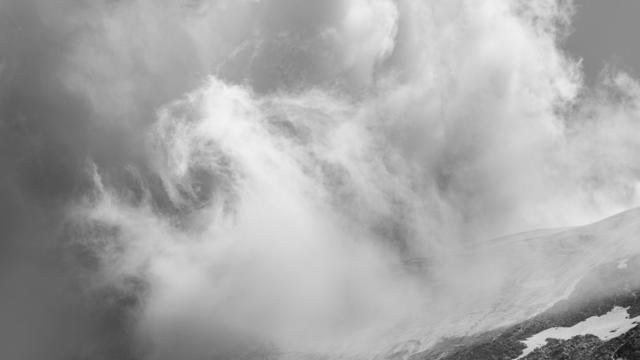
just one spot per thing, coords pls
(544, 267)
(555, 284)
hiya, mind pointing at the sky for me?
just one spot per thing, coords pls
(175, 171)
(603, 32)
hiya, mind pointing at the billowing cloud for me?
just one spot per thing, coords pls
(217, 176)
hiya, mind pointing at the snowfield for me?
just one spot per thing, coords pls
(608, 326)
(532, 272)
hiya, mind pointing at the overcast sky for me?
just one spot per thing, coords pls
(606, 32)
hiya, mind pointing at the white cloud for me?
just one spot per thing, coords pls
(328, 146)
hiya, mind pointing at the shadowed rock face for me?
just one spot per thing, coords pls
(599, 292)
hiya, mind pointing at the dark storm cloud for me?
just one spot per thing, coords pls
(43, 132)
(49, 127)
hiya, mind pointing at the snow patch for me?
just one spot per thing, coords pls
(608, 326)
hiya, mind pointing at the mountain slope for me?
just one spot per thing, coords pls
(596, 267)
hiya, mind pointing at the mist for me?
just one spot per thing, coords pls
(220, 179)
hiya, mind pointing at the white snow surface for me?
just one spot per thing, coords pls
(508, 280)
(608, 326)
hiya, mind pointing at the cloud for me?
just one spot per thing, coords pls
(226, 174)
